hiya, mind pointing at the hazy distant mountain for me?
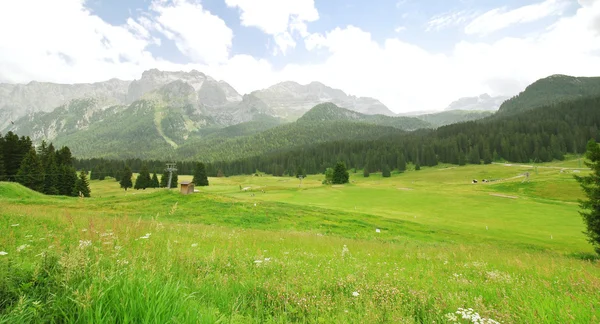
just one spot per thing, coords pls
(331, 112)
(550, 90)
(291, 100)
(17, 100)
(443, 118)
(483, 102)
(219, 103)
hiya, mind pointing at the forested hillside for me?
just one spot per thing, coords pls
(330, 112)
(551, 90)
(538, 135)
(454, 116)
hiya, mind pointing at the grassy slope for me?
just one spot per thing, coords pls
(432, 256)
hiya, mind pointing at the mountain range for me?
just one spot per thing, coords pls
(187, 115)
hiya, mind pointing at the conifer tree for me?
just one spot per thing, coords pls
(51, 177)
(126, 179)
(164, 179)
(300, 172)
(340, 174)
(591, 187)
(143, 179)
(66, 181)
(366, 173)
(401, 163)
(31, 172)
(154, 183)
(386, 173)
(220, 174)
(474, 156)
(82, 185)
(200, 179)
(2, 172)
(417, 167)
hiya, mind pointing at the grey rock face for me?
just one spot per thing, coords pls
(482, 102)
(17, 100)
(290, 99)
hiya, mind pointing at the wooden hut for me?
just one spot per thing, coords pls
(187, 188)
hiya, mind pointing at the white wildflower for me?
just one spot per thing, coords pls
(14, 225)
(377, 230)
(3, 253)
(258, 262)
(117, 247)
(84, 243)
(84, 229)
(194, 244)
(147, 236)
(28, 236)
(267, 259)
(355, 294)
(22, 247)
(469, 315)
(345, 250)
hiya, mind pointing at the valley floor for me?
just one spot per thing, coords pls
(413, 248)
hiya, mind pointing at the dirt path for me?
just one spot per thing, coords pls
(504, 196)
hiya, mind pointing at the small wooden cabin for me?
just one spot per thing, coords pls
(187, 188)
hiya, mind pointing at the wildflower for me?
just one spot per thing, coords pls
(147, 236)
(3, 253)
(84, 244)
(117, 247)
(14, 225)
(195, 244)
(377, 230)
(84, 230)
(355, 294)
(258, 261)
(267, 259)
(22, 247)
(345, 250)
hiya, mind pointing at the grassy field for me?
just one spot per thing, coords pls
(414, 248)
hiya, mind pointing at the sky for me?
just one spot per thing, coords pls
(412, 55)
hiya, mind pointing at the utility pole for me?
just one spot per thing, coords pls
(170, 168)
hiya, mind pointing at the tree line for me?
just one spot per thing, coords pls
(43, 169)
(540, 135)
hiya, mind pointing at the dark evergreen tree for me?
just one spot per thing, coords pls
(51, 178)
(385, 172)
(300, 172)
(366, 173)
(143, 179)
(328, 176)
(126, 178)
(154, 183)
(487, 156)
(220, 174)
(164, 179)
(461, 159)
(401, 163)
(417, 167)
(591, 187)
(82, 185)
(31, 172)
(340, 174)
(66, 181)
(200, 178)
(474, 156)
(2, 172)
(118, 175)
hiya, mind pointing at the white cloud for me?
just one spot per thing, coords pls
(61, 41)
(449, 19)
(279, 18)
(75, 46)
(200, 35)
(400, 29)
(500, 18)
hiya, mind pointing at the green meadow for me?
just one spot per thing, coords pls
(413, 248)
